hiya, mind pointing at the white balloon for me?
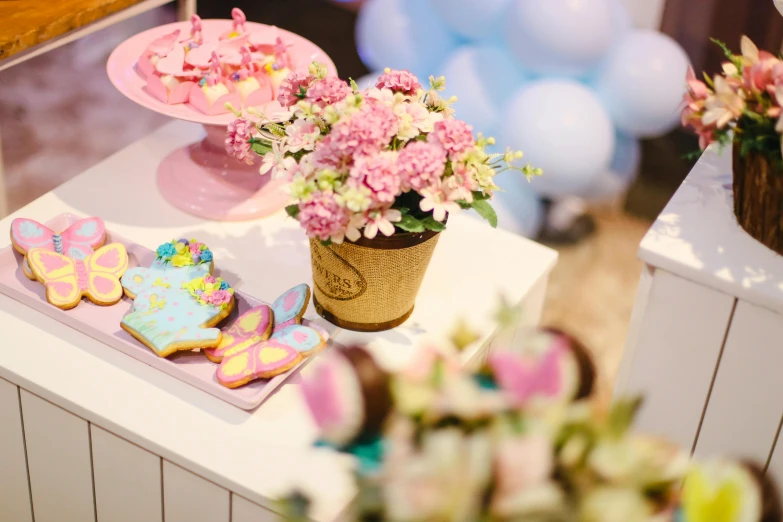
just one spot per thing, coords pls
(642, 82)
(621, 173)
(562, 128)
(482, 77)
(474, 19)
(559, 37)
(402, 34)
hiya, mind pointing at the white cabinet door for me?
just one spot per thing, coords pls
(58, 454)
(127, 480)
(673, 347)
(190, 498)
(242, 510)
(745, 407)
(14, 486)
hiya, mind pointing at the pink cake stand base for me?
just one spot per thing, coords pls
(203, 180)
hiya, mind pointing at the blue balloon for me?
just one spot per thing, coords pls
(621, 173)
(562, 128)
(642, 83)
(559, 37)
(517, 205)
(402, 34)
(473, 19)
(483, 77)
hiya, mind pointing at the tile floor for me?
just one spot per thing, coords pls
(60, 115)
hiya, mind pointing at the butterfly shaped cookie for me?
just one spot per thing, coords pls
(243, 361)
(67, 280)
(76, 242)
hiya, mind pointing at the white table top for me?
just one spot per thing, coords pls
(260, 453)
(697, 237)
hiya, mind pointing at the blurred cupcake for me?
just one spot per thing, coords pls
(348, 396)
(545, 367)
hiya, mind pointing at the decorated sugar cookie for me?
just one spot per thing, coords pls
(250, 328)
(168, 318)
(67, 280)
(176, 262)
(76, 242)
(242, 362)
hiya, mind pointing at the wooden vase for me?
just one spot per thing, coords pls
(758, 198)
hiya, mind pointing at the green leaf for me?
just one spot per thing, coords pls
(485, 210)
(302, 93)
(327, 243)
(260, 147)
(480, 196)
(430, 223)
(292, 210)
(464, 205)
(404, 210)
(622, 415)
(354, 86)
(409, 223)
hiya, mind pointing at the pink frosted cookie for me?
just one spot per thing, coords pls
(76, 242)
(157, 49)
(171, 83)
(97, 276)
(244, 362)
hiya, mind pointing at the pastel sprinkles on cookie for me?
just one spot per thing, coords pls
(176, 300)
(169, 318)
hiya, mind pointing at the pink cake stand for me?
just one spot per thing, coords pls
(201, 178)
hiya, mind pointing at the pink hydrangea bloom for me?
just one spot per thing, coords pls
(328, 91)
(455, 136)
(420, 164)
(399, 81)
(209, 279)
(195, 248)
(322, 217)
(291, 86)
(379, 174)
(238, 140)
(364, 133)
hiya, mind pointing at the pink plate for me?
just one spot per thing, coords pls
(103, 323)
(202, 179)
(122, 62)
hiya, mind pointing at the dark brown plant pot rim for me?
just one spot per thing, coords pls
(360, 327)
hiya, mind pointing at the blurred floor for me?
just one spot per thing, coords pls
(60, 115)
(592, 289)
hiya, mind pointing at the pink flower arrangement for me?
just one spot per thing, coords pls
(388, 159)
(743, 105)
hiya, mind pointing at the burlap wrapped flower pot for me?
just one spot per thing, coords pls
(758, 197)
(370, 285)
